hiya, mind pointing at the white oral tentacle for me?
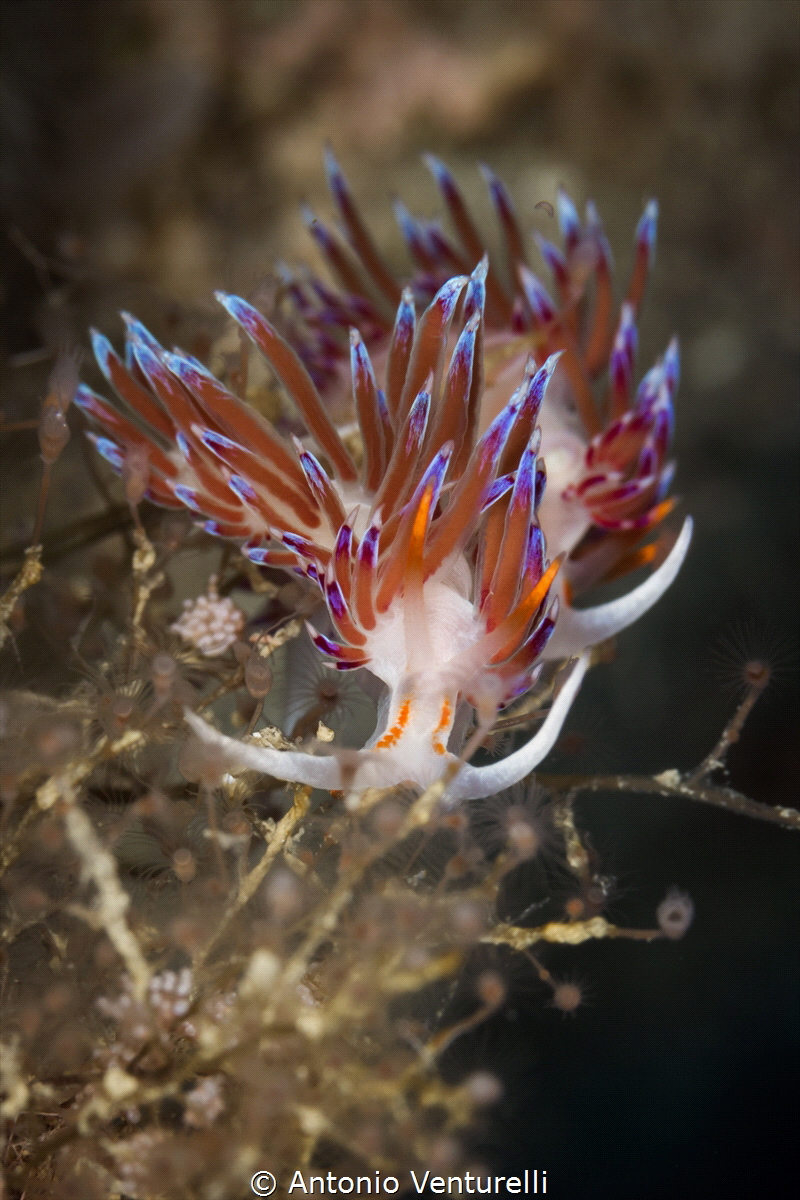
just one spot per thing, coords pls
(475, 783)
(290, 765)
(578, 628)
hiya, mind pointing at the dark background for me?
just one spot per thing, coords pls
(156, 149)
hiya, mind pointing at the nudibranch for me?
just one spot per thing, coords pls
(448, 568)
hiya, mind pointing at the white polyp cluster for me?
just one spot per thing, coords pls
(169, 994)
(211, 623)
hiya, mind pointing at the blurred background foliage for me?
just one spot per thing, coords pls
(156, 149)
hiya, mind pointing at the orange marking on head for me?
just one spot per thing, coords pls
(393, 735)
(445, 715)
(444, 721)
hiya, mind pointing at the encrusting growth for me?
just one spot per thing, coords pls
(493, 485)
